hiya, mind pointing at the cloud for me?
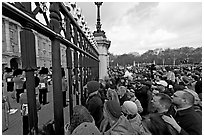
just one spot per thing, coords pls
(157, 25)
(142, 26)
(180, 16)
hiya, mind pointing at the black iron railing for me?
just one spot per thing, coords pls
(85, 56)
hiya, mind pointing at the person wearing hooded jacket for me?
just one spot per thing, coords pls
(94, 102)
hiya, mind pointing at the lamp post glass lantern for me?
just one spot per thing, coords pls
(98, 25)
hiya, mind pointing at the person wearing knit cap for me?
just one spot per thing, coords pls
(113, 109)
(117, 121)
(130, 110)
(92, 86)
(94, 102)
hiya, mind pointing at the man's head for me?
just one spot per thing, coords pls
(196, 97)
(183, 99)
(161, 102)
(161, 85)
(167, 68)
(92, 86)
(122, 90)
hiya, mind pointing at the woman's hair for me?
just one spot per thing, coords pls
(80, 115)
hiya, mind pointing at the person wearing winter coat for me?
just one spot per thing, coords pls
(130, 110)
(118, 123)
(186, 120)
(154, 122)
(94, 102)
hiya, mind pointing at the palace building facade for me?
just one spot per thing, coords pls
(11, 51)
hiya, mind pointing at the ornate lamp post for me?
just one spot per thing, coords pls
(98, 25)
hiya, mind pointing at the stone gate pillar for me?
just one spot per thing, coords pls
(103, 46)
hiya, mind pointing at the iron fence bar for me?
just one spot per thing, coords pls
(69, 64)
(55, 19)
(76, 89)
(87, 49)
(81, 68)
(29, 65)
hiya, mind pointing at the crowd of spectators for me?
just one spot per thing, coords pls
(154, 100)
(148, 100)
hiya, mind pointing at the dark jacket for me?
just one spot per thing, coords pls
(190, 121)
(198, 87)
(95, 106)
(143, 95)
(123, 99)
(157, 126)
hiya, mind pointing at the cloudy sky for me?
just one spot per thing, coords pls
(141, 26)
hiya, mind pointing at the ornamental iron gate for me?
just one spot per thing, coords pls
(85, 56)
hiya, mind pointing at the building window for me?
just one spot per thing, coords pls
(12, 47)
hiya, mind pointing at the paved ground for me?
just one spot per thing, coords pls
(44, 115)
